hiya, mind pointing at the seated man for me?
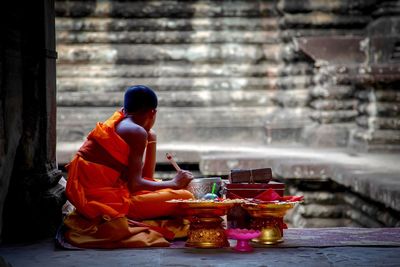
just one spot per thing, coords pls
(108, 180)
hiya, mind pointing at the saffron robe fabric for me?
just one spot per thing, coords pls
(97, 187)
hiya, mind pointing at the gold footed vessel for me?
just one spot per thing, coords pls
(268, 218)
(206, 230)
(269, 236)
(206, 233)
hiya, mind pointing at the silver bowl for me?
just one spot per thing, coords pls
(201, 186)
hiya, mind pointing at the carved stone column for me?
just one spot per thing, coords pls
(32, 207)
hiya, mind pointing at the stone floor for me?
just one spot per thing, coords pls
(379, 251)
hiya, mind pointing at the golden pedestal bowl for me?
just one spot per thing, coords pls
(268, 218)
(205, 229)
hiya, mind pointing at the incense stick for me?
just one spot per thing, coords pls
(171, 159)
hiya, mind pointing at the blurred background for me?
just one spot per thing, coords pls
(308, 88)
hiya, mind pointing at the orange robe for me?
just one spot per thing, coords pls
(97, 188)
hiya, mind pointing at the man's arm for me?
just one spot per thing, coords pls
(150, 156)
(136, 137)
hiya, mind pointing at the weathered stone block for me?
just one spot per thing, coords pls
(287, 35)
(370, 182)
(337, 116)
(155, 9)
(316, 196)
(203, 98)
(296, 68)
(385, 25)
(376, 137)
(289, 53)
(105, 85)
(301, 222)
(294, 82)
(377, 122)
(168, 37)
(391, 109)
(140, 54)
(306, 169)
(387, 95)
(387, 8)
(327, 135)
(177, 70)
(332, 91)
(328, 104)
(336, 6)
(362, 219)
(371, 209)
(292, 98)
(323, 20)
(75, 9)
(166, 24)
(205, 125)
(284, 126)
(315, 210)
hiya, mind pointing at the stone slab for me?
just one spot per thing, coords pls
(328, 104)
(326, 135)
(293, 6)
(349, 249)
(195, 98)
(175, 123)
(165, 24)
(152, 53)
(378, 183)
(334, 116)
(170, 84)
(370, 140)
(168, 37)
(160, 9)
(379, 122)
(180, 69)
(316, 19)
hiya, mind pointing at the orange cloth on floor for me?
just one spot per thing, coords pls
(110, 233)
(97, 186)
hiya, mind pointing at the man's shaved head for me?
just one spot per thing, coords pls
(139, 98)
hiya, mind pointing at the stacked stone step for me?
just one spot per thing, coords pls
(323, 205)
(326, 204)
(213, 64)
(329, 106)
(334, 110)
(378, 119)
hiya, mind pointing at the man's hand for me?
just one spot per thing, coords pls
(151, 136)
(182, 179)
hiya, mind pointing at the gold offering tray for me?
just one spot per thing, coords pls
(275, 209)
(206, 208)
(201, 202)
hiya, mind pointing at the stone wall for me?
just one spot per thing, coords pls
(328, 107)
(214, 65)
(232, 71)
(352, 73)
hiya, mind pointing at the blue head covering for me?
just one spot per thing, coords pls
(139, 98)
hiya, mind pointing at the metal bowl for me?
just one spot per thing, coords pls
(201, 186)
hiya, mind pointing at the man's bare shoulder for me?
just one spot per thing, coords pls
(131, 132)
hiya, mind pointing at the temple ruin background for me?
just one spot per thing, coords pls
(233, 71)
(239, 75)
(233, 77)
